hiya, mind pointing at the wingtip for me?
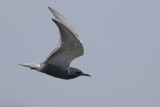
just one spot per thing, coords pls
(49, 8)
(54, 20)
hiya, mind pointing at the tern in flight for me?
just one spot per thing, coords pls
(57, 64)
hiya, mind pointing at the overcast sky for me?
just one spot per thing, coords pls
(122, 53)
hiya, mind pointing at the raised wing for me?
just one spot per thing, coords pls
(69, 46)
(64, 21)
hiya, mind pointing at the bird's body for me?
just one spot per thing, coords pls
(58, 72)
(57, 64)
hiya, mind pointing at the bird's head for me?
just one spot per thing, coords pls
(74, 72)
(35, 66)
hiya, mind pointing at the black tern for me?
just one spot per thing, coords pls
(57, 64)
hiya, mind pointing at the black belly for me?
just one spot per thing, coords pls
(55, 71)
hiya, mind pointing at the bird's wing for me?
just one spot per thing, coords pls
(64, 21)
(69, 46)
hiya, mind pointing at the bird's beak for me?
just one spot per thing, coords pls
(84, 74)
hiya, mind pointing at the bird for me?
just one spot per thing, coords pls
(69, 47)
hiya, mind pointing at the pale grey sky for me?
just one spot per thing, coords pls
(122, 53)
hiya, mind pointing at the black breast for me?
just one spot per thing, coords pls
(54, 71)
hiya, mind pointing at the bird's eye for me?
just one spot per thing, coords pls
(78, 73)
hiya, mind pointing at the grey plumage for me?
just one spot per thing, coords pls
(57, 64)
